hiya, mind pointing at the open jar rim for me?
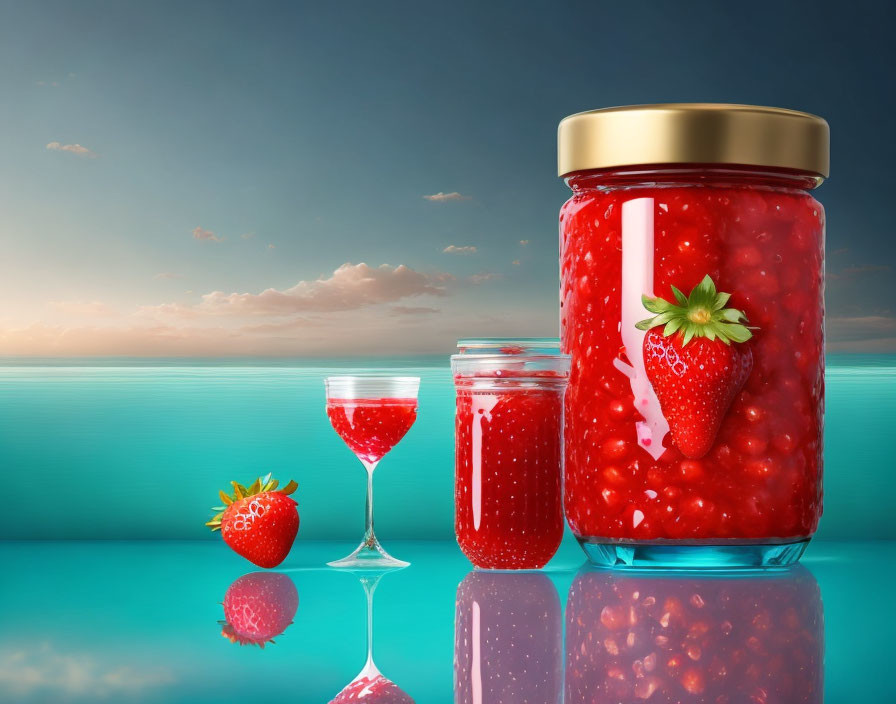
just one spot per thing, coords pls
(510, 362)
(508, 346)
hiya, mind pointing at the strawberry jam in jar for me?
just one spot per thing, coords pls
(692, 258)
(508, 505)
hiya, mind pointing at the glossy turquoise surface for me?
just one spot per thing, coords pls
(138, 621)
(134, 430)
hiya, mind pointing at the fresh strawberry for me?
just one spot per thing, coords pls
(260, 523)
(692, 364)
(258, 607)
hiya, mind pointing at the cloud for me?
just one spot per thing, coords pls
(375, 331)
(50, 84)
(71, 148)
(443, 278)
(412, 310)
(865, 333)
(248, 235)
(524, 243)
(168, 275)
(867, 327)
(851, 272)
(25, 671)
(82, 308)
(350, 287)
(483, 277)
(379, 310)
(446, 197)
(200, 233)
(454, 249)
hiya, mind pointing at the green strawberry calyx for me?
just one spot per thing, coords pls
(259, 486)
(702, 314)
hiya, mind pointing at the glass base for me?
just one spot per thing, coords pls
(369, 555)
(697, 556)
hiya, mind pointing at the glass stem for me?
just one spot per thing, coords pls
(369, 536)
(368, 590)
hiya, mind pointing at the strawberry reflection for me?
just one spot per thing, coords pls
(694, 639)
(508, 639)
(370, 686)
(258, 607)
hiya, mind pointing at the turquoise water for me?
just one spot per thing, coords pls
(123, 622)
(137, 449)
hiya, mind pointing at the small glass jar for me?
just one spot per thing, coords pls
(509, 451)
(692, 260)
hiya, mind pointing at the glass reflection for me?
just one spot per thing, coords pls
(685, 638)
(258, 607)
(508, 646)
(370, 686)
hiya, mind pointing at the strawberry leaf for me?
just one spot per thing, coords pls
(738, 333)
(655, 305)
(700, 314)
(672, 326)
(290, 487)
(721, 300)
(679, 296)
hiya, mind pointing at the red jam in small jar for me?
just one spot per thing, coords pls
(692, 306)
(695, 640)
(509, 451)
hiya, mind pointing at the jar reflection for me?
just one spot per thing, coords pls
(695, 639)
(508, 639)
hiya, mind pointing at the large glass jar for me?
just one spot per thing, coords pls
(692, 258)
(508, 504)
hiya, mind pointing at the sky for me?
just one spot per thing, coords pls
(289, 179)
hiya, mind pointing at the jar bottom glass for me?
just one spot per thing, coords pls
(687, 554)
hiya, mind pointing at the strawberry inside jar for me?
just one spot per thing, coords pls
(692, 307)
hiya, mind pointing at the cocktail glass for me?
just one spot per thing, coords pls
(371, 414)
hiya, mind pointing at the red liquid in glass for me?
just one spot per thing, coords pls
(508, 506)
(694, 640)
(372, 427)
(761, 479)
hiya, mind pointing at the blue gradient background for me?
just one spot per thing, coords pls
(139, 451)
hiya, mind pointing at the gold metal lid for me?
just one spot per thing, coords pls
(693, 133)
